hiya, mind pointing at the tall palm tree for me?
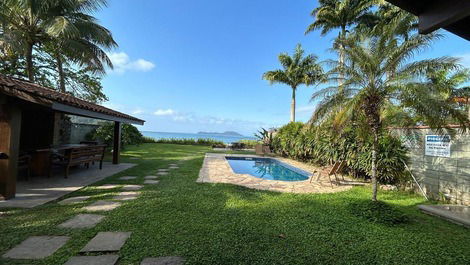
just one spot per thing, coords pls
(86, 47)
(381, 79)
(26, 24)
(297, 70)
(339, 14)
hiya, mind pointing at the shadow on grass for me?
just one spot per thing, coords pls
(228, 224)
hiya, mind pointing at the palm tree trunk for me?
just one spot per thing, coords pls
(341, 54)
(29, 62)
(60, 70)
(292, 106)
(374, 165)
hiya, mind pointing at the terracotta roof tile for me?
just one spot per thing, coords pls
(17, 87)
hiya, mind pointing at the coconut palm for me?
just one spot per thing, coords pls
(27, 24)
(86, 47)
(297, 70)
(382, 82)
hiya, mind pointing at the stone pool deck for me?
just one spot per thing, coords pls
(216, 169)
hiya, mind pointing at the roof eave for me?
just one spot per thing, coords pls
(92, 114)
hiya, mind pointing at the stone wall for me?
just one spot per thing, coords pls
(443, 178)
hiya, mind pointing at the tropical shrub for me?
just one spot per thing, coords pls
(129, 134)
(285, 138)
(323, 146)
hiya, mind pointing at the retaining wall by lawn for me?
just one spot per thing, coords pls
(441, 177)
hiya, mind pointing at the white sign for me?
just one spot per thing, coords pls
(437, 145)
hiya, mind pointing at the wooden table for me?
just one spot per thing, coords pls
(42, 158)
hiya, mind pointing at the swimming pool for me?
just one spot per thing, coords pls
(266, 168)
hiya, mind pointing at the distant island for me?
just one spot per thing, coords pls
(228, 133)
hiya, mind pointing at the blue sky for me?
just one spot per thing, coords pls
(188, 66)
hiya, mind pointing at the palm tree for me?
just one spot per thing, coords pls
(297, 70)
(380, 83)
(340, 14)
(26, 24)
(86, 48)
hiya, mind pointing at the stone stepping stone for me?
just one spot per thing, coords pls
(127, 178)
(173, 164)
(82, 221)
(102, 206)
(162, 173)
(37, 247)
(73, 200)
(171, 260)
(132, 187)
(151, 177)
(93, 260)
(107, 186)
(106, 241)
(163, 170)
(126, 196)
(151, 181)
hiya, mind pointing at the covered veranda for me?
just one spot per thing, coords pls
(30, 117)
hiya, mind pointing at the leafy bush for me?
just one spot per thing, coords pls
(323, 146)
(207, 142)
(378, 212)
(105, 133)
(286, 138)
(249, 143)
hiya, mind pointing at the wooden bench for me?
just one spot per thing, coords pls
(83, 155)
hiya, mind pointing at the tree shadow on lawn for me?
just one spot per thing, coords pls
(228, 224)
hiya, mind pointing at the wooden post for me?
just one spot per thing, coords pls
(116, 142)
(10, 126)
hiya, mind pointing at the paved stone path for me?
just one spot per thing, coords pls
(93, 260)
(126, 196)
(127, 178)
(107, 241)
(107, 186)
(171, 260)
(37, 247)
(102, 206)
(151, 181)
(73, 200)
(82, 221)
(132, 187)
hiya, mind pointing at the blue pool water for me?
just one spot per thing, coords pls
(265, 168)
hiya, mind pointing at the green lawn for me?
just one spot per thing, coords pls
(226, 224)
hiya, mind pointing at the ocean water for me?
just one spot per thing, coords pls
(224, 138)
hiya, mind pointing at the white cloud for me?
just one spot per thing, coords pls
(122, 63)
(164, 112)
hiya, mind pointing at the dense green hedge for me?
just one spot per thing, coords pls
(324, 146)
(207, 142)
